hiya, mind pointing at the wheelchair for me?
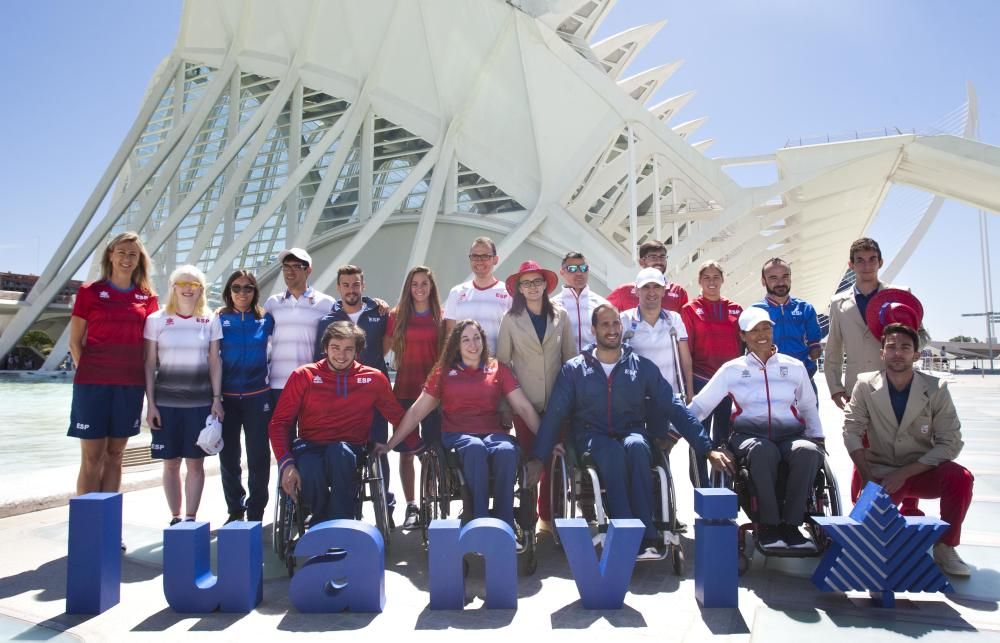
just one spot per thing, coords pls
(291, 519)
(442, 481)
(576, 485)
(824, 500)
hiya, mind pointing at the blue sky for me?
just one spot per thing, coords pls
(764, 72)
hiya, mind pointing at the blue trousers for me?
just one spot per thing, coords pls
(252, 414)
(329, 483)
(624, 462)
(480, 455)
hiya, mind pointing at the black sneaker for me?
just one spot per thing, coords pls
(794, 539)
(174, 521)
(769, 537)
(235, 517)
(412, 520)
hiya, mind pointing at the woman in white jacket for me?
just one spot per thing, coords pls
(774, 420)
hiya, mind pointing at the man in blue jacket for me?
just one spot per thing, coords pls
(796, 327)
(609, 393)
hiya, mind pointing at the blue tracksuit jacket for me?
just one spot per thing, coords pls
(633, 395)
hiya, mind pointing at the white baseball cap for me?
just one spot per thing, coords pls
(210, 438)
(650, 276)
(752, 316)
(298, 253)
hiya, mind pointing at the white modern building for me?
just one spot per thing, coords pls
(390, 133)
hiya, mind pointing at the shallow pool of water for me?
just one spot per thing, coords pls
(34, 417)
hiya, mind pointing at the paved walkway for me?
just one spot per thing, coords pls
(777, 601)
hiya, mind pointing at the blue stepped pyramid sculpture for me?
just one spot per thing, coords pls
(878, 550)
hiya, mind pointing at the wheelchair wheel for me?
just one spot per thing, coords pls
(526, 517)
(562, 492)
(677, 559)
(376, 492)
(434, 492)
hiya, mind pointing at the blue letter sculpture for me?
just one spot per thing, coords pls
(448, 542)
(602, 586)
(716, 568)
(350, 577)
(94, 564)
(877, 549)
(188, 583)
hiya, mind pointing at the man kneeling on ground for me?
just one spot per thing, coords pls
(913, 436)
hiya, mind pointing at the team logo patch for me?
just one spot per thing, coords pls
(226, 323)
(745, 374)
(364, 380)
(317, 379)
(170, 321)
(925, 429)
(632, 373)
(797, 312)
(452, 373)
(267, 407)
(136, 424)
(783, 371)
(105, 295)
(587, 370)
(463, 296)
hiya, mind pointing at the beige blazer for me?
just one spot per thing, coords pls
(929, 433)
(849, 334)
(535, 364)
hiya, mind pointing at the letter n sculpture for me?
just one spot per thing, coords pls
(878, 550)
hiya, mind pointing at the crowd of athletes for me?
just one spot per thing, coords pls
(503, 372)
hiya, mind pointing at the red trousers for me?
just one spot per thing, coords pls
(526, 441)
(950, 482)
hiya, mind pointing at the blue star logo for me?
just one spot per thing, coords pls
(878, 550)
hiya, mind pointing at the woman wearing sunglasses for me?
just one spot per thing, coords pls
(183, 386)
(246, 330)
(535, 340)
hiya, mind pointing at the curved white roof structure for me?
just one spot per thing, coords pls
(391, 133)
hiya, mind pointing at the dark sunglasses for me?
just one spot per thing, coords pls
(578, 268)
(246, 290)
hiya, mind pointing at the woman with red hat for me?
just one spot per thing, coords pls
(534, 340)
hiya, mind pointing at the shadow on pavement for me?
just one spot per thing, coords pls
(50, 579)
(575, 617)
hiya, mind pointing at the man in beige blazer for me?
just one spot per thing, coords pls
(848, 331)
(913, 437)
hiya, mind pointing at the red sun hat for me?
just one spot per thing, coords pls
(551, 280)
(893, 306)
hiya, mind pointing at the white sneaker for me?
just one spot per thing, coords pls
(948, 560)
(649, 553)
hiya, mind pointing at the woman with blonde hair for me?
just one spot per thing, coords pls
(183, 385)
(414, 334)
(105, 342)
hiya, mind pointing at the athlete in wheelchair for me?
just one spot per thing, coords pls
(777, 439)
(476, 458)
(615, 401)
(325, 471)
